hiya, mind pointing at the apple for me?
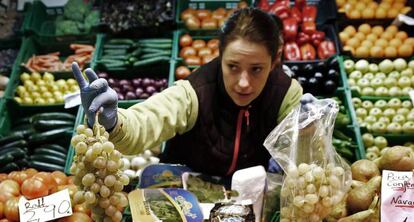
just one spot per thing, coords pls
(370, 119)
(381, 91)
(351, 82)
(403, 111)
(376, 82)
(359, 120)
(390, 82)
(406, 90)
(368, 139)
(380, 75)
(411, 64)
(394, 103)
(382, 104)
(357, 102)
(394, 74)
(412, 80)
(407, 72)
(379, 127)
(355, 75)
(362, 65)
(363, 83)
(394, 128)
(368, 91)
(349, 65)
(375, 112)
(398, 119)
(369, 76)
(367, 104)
(410, 116)
(386, 66)
(380, 142)
(408, 127)
(373, 149)
(384, 119)
(400, 64)
(389, 112)
(404, 81)
(361, 112)
(356, 88)
(407, 104)
(373, 68)
(394, 91)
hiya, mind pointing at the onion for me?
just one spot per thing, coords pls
(213, 43)
(150, 90)
(138, 92)
(192, 23)
(130, 95)
(124, 82)
(187, 14)
(204, 51)
(127, 88)
(209, 23)
(207, 58)
(198, 44)
(203, 14)
(188, 51)
(186, 40)
(112, 82)
(103, 75)
(136, 82)
(121, 96)
(138, 162)
(144, 96)
(193, 61)
(146, 82)
(118, 90)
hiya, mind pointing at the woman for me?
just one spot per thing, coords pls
(217, 118)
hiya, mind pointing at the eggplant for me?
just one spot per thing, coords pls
(321, 66)
(313, 85)
(333, 75)
(330, 87)
(294, 68)
(318, 76)
(308, 69)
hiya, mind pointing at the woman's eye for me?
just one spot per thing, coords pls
(257, 69)
(232, 67)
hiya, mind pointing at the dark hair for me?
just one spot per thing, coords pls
(253, 25)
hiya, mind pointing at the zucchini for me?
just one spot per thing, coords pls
(45, 151)
(9, 167)
(23, 132)
(157, 54)
(48, 159)
(54, 116)
(136, 52)
(45, 166)
(17, 143)
(152, 50)
(156, 41)
(55, 147)
(22, 163)
(121, 41)
(10, 138)
(116, 46)
(117, 65)
(114, 57)
(115, 51)
(12, 150)
(45, 125)
(23, 121)
(5, 159)
(48, 136)
(150, 61)
(156, 46)
(17, 153)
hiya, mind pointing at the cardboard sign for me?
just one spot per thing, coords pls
(46, 208)
(397, 196)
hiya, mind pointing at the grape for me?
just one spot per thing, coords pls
(99, 162)
(123, 201)
(88, 132)
(117, 217)
(110, 210)
(110, 180)
(88, 179)
(97, 148)
(95, 188)
(104, 202)
(107, 219)
(79, 198)
(108, 147)
(111, 166)
(80, 129)
(114, 199)
(105, 191)
(118, 186)
(124, 179)
(90, 197)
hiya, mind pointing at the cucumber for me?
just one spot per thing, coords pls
(55, 147)
(9, 167)
(156, 41)
(45, 125)
(17, 143)
(23, 121)
(116, 46)
(115, 65)
(114, 57)
(152, 50)
(157, 54)
(17, 153)
(12, 150)
(48, 159)
(5, 159)
(121, 41)
(115, 51)
(45, 151)
(23, 132)
(150, 61)
(22, 163)
(48, 136)
(155, 46)
(10, 138)
(45, 166)
(136, 52)
(54, 116)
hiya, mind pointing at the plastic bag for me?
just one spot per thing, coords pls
(316, 177)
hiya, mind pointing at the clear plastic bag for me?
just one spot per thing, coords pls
(316, 177)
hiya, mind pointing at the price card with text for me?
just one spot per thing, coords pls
(46, 208)
(397, 196)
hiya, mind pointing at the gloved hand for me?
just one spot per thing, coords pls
(96, 94)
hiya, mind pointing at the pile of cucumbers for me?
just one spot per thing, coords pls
(127, 53)
(39, 141)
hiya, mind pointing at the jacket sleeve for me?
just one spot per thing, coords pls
(159, 118)
(291, 100)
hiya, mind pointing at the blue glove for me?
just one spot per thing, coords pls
(96, 94)
(274, 167)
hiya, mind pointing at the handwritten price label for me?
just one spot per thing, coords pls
(46, 208)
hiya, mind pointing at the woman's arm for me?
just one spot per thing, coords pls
(291, 100)
(157, 119)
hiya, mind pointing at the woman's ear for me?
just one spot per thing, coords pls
(278, 57)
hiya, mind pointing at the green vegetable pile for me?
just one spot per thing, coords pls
(205, 192)
(342, 118)
(77, 18)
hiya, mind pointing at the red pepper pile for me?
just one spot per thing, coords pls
(302, 40)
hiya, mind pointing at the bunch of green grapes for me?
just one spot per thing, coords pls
(96, 167)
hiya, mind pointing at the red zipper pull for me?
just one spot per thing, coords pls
(247, 114)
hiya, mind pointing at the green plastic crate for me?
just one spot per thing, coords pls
(41, 23)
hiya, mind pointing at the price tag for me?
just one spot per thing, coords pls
(411, 94)
(46, 208)
(403, 19)
(72, 100)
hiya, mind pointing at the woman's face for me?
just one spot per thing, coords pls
(246, 66)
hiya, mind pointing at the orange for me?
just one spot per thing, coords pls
(350, 30)
(360, 6)
(392, 28)
(368, 13)
(364, 28)
(362, 52)
(377, 30)
(405, 50)
(401, 35)
(354, 14)
(398, 5)
(385, 5)
(377, 52)
(380, 13)
(372, 5)
(387, 36)
(353, 42)
(409, 41)
(340, 3)
(343, 36)
(360, 36)
(390, 52)
(349, 48)
(395, 42)
(371, 37)
(392, 13)
(381, 42)
(367, 43)
(405, 10)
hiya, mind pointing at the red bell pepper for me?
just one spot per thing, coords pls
(317, 37)
(309, 27)
(326, 49)
(309, 13)
(290, 29)
(295, 13)
(303, 38)
(299, 4)
(264, 5)
(308, 52)
(291, 51)
(280, 8)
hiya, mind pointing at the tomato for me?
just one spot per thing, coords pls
(59, 177)
(198, 44)
(193, 61)
(207, 58)
(209, 23)
(187, 14)
(181, 72)
(47, 179)
(187, 51)
(1, 209)
(193, 23)
(31, 172)
(203, 14)
(76, 217)
(82, 209)
(70, 179)
(34, 188)
(213, 43)
(204, 51)
(8, 189)
(18, 176)
(186, 40)
(11, 209)
(3, 176)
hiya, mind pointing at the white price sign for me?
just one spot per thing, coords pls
(46, 208)
(411, 94)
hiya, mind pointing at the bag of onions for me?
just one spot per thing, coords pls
(316, 177)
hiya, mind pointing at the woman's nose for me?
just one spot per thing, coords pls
(244, 80)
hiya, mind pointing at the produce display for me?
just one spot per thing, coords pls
(125, 15)
(207, 19)
(393, 116)
(130, 53)
(197, 51)
(7, 58)
(378, 145)
(97, 173)
(371, 9)
(377, 41)
(136, 88)
(52, 63)
(133, 165)
(10, 23)
(4, 80)
(387, 78)
(39, 141)
(43, 89)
